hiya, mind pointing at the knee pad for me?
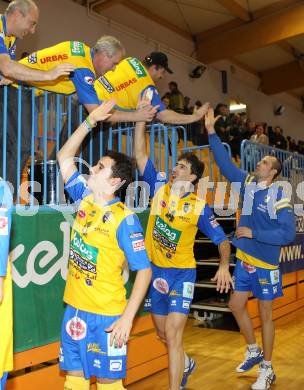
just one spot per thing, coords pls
(76, 383)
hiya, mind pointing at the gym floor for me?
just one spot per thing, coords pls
(218, 352)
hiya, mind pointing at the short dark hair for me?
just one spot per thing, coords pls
(277, 165)
(197, 166)
(173, 83)
(122, 168)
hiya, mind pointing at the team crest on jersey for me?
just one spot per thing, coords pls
(76, 328)
(186, 207)
(161, 285)
(32, 58)
(107, 216)
(106, 84)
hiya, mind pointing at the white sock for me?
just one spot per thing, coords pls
(267, 363)
(187, 361)
(253, 347)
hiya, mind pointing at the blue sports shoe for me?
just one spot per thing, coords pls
(188, 371)
(251, 359)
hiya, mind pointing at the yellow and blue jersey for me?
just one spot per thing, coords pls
(265, 210)
(103, 238)
(80, 81)
(173, 223)
(6, 313)
(7, 43)
(126, 84)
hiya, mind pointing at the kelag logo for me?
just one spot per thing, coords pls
(164, 229)
(90, 252)
(138, 68)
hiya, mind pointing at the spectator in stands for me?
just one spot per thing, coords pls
(279, 140)
(223, 125)
(176, 98)
(259, 137)
(235, 134)
(187, 109)
(20, 19)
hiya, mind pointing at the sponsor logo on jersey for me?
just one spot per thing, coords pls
(138, 245)
(136, 235)
(164, 229)
(126, 84)
(59, 57)
(138, 67)
(94, 347)
(3, 226)
(87, 251)
(82, 214)
(186, 304)
(275, 276)
(77, 49)
(115, 365)
(89, 80)
(32, 58)
(188, 290)
(106, 84)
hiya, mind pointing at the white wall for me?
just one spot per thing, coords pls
(64, 20)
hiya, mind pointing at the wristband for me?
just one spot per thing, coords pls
(88, 124)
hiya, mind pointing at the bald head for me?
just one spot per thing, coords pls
(23, 6)
(21, 18)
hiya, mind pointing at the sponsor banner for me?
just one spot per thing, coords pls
(292, 256)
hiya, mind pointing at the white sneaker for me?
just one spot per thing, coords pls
(266, 378)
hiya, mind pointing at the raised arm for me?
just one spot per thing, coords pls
(16, 71)
(68, 151)
(169, 116)
(221, 156)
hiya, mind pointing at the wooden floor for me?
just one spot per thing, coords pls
(218, 352)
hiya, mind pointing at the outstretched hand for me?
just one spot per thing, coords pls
(210, 120)
(200, 112)
(145, 111)
(5, 81)
(102, 112)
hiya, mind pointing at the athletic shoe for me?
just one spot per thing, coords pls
(188, 371)
(251, 359)
(266, 378)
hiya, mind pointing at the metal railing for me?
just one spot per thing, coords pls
(292, 163)
(35, 126)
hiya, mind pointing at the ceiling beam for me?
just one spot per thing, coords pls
(157, 18)
(235, 9)
(245, 67)
(268, 10)
(264, 31)
(283, 78)
(99, 5)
